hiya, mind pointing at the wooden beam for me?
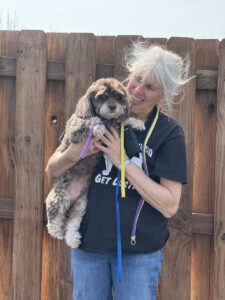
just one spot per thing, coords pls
(201, 223)
(206, 79)
(104, 70)
(6, 208)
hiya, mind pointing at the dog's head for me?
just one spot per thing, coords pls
(106, 98)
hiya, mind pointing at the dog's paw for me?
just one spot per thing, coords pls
(135, 123)
(99, 131)
(72, 238)
(55, 231)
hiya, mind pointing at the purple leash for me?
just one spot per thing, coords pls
(85, 149)
(139, 207)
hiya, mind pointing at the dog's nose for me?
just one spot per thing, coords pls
(112, 107)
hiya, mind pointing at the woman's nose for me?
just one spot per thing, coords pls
(139, 88)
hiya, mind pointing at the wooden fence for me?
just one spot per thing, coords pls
(41, 77)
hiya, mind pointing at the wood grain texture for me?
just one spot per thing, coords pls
(202, 223)
(80, 72)
(54, 125)
(29, 154)
(206, 79)
(219, 225)
(80, 68)
(176, 273)
(8, 42)
(121, 44)
(104, 56)
(156, 41)
(33, 265)
(204, 168)
(105, 49)
(6, 208)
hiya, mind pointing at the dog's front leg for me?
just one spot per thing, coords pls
(135, 123)
(99, 131)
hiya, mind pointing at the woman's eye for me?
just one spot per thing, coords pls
(138, 79)
(149, 87)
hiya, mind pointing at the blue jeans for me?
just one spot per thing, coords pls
(95, 276)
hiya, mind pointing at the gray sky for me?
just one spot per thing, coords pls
(159, 18)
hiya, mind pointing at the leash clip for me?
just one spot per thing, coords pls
(133, 240)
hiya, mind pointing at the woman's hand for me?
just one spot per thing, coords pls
(110, 145)
(74, 150)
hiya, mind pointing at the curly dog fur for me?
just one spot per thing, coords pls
(106, 99)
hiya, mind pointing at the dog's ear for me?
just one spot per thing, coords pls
(84, 108)
(127, 111)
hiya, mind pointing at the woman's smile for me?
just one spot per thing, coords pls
(136, 99)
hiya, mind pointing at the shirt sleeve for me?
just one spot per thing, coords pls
(171, 161)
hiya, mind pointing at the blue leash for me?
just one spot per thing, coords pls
(119, 244)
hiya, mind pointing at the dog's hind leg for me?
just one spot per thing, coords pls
(56, 227)
(72, 234)
(56, 212)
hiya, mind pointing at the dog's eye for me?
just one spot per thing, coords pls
(103, 97)
(118, 97)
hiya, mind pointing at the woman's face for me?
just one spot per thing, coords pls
(143, 95)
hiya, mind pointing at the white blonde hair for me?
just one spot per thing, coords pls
(165, 67)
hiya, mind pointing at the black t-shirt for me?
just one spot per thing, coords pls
(165, 155)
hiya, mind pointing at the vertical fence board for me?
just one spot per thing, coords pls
(79, 74)
(121, 44)
(80, 67)
(177, 263)
(204, 168)
(105, 49)
(156, 41)
(8, 40)
(29, 144)
(219, 219)
(104, 55)
(54, 125)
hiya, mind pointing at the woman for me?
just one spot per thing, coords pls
(155, 77)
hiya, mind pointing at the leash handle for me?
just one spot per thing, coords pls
(145, 168)
(122, 153)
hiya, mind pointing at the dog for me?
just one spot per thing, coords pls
(104, 105)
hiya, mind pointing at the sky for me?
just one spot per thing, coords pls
(203, 19)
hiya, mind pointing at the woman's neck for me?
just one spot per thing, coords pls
(142, 116)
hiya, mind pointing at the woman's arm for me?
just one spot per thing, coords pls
(60, 162)
(164, 197)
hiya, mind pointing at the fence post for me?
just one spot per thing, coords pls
(79, 74)
(29, 172)
(219, 217)
(204, 168)
(176, 275)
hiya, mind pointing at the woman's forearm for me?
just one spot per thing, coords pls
(59, 163)
(155, 194)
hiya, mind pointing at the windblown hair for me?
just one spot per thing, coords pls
(165, 67)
